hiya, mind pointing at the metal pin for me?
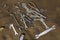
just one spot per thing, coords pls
(11, 26)
(45, 32)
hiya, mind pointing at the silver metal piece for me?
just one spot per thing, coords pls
(16, 20)
(22, 16)
(42, 20)
(26, 19)
(22, 37)
(37, 9)
(24, 5)
(34, 16)
(11, 26)
(29, 11)
(45, 32)
(38, 14)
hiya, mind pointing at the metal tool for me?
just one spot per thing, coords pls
(22, 16)
(45, 32)
(33, 5)
(16, 20)
(11, 26)
(22, 37)
(42, 20)
(30, 11)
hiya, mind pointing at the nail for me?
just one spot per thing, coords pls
(45, 32)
